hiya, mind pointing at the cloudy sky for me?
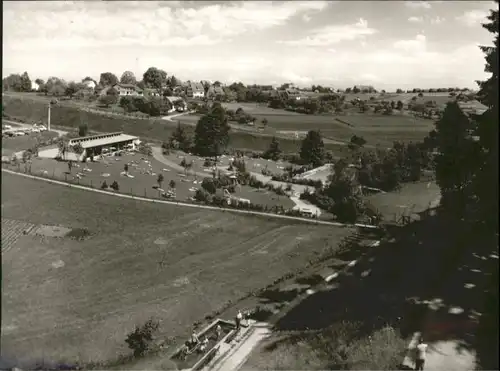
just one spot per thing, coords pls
(388, 44)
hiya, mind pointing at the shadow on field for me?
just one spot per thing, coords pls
(395, 286)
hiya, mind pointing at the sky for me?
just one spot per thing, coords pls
(387, 44)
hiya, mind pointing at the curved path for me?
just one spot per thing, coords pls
(236, 211)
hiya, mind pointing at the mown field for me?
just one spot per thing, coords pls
(174, 263)
(14, 144)
(141, 184)
(377, 129)
(67, 116)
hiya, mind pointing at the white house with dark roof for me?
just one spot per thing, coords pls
(195, 90)
(128, 90)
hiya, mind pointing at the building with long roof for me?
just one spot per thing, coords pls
(93, 145)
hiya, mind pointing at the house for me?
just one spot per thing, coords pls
(291, 94)
(89, 84)
(34, 86)
(195, 90)
(215, 91)
(127, 90)
(176, 104)
(151, 92)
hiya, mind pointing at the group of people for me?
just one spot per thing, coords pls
(194, 343)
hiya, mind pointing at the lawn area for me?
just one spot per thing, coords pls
(377, 129)
(142, 184)
(11, 145)
(252, 164)
(31, 108)
(76, 300)
(412, 196)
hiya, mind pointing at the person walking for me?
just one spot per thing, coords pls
(239, 318)
(421, 353)
(218, 331)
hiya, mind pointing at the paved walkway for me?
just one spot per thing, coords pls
(169, 118)
(235, 359)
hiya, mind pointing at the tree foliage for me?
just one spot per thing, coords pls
(274, 151)
(155, 78)
(180, 139)
(141, 339)
(312, 150)
(128, 77)
(108, 79)
(212, 132)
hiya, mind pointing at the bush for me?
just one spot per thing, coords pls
(201, 195)
(104, 185)
(218, 200)
(114, 186)
(145, 149)
(141, 339)
(209, 162)
(209, 185)
(240, 166)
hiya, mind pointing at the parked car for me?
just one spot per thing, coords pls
(6, 127)
(19, 133)
(35, 130)
(40, 127)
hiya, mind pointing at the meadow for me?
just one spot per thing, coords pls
(142, 183)
(11, 145)
(69, 300)
(377, 129)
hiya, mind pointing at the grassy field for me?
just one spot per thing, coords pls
(142, 183)
(65, 115)
(15, 144)
(414, 197)
(76, 300)
(377, 129)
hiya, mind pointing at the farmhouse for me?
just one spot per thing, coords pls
(128, 89)
(151, 92)
(195, 90)
(291, 94)
(215, 91)
(176, 103)
(89, 84)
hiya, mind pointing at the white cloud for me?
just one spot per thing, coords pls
(80, 24)
(334, 34)
(415, 19)
(306, 18)
(418, 4)
(473, 17)
(437, 20)
(291, 76)
(416, 45)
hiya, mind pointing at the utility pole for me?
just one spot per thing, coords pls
(48, 118)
